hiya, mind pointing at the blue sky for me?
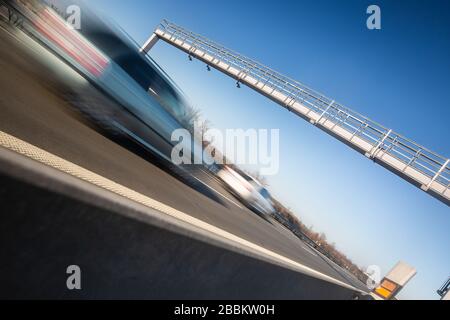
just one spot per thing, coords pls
(398, 76)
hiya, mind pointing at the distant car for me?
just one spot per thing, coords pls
(147, 106)
(247, 189)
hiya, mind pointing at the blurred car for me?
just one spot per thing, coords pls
(247, 189)
(145, 104)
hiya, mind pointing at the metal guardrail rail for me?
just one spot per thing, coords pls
(415, 163)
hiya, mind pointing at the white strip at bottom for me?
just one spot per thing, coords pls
(21, 147)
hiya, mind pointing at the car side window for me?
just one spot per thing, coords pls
(265, 193)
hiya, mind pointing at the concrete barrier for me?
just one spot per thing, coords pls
(49, 221)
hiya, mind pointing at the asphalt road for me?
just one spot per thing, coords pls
(32, 109)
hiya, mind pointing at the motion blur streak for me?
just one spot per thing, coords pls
(71, 42)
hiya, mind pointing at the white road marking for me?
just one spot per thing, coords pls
(21, 147)
(222, 195)
(309, 251)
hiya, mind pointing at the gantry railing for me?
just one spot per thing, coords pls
(415, 163)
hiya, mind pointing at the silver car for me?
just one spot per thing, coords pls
(247, 189)
(124, 91)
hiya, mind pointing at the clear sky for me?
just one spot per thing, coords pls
(398, 76)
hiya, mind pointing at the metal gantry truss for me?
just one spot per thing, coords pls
(443, 291)
(411, 161)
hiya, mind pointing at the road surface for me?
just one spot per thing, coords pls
(33, 110)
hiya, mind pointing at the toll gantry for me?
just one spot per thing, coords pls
(409, 160)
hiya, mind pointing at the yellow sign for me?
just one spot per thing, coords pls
(386, 289)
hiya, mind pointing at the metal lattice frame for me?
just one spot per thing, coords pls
(322, 111)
